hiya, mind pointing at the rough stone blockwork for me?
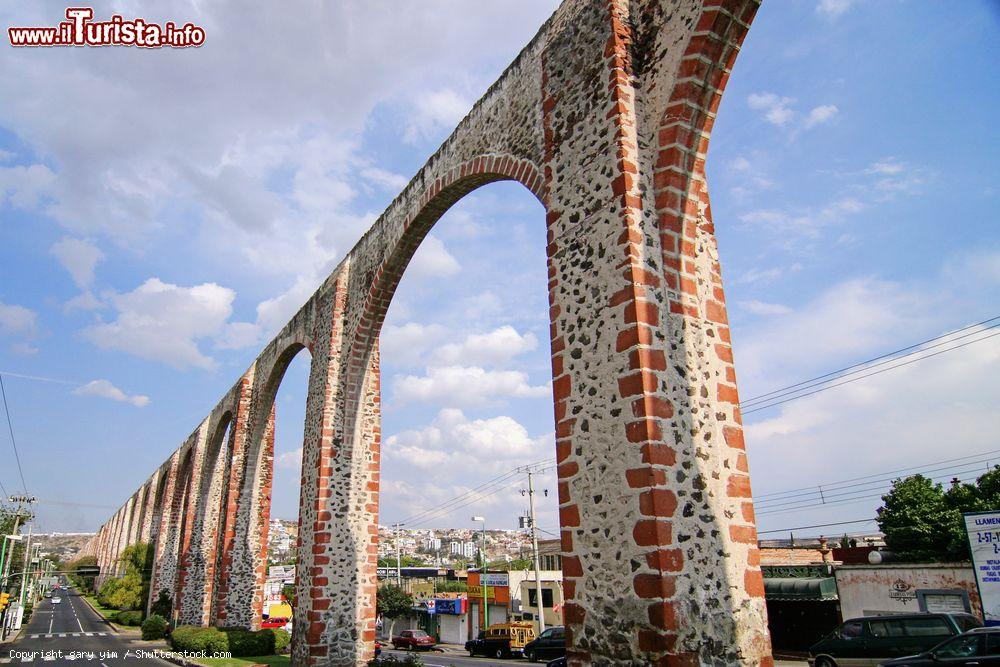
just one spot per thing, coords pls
(606, 117)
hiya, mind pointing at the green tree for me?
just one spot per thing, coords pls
(915, 520)
(452, 587)
(922, 522)
(392, 602)
(404, 561)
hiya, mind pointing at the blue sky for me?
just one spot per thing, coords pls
(162, 213)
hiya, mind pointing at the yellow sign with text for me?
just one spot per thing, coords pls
(476, 593)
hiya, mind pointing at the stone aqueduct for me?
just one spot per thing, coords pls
(605, 116)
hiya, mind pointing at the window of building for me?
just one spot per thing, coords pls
(546, 597)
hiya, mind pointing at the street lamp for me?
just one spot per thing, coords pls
(482, 574)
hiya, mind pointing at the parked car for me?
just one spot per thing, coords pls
(502, 640)
(977, 647)
(413, 640)
(870, 640)
(550, 644)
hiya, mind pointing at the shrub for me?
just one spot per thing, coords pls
(282, 639)
(244, 643)
(128, 618)
(154, 627)
(192, 638)
(162, 606)
(393, 661)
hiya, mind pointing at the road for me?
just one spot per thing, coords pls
(71, 633)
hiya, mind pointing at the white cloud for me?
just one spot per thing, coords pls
(494, 347)
(17, 320)
(432, 260)
(407, 343)
(760, 275)
(763, 308)
(776, 109)
(289, 460)
(466, 386)
(79, 257)
(833, 8)
(164, 322)
(25, 187)
(105, 389)
(85, 300)
(434, 112)
(886, 167)
(848, 319)
(498, 442)
(384, 178)
(820, 115)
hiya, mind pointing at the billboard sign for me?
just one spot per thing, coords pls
(495, 579)
(453, 606)
(983, 530)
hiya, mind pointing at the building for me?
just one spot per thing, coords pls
(893, 588)
(550, 555)
(801, 595)
(552, 598)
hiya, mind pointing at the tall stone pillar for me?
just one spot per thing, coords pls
(654, 493)
(222, 614)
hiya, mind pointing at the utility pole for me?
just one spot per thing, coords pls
(399, 575)
(8, 557)
(534, 550)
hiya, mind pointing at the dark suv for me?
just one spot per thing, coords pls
(550, 644)
(873, 639)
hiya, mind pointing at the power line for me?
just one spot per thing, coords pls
(484, 490)
(817, 525)
(868, 375)
(10, 428)
(882, 474)
(757, 399)
(832, 499)
(866, 495)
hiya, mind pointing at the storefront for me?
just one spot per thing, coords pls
(497, 596)
(801, 605)
(452, 619)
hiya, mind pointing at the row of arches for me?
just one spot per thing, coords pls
(605, 116)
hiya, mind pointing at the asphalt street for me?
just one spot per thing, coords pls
(71, 633)
(436, 659)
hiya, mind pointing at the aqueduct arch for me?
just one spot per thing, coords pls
(606, 116)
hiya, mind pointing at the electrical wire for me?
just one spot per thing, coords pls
(823, 495)
(861, 377)
(989, 454)
(468, 497)
(817, 525)
(811, 381)
(841, 501)
(13, 443)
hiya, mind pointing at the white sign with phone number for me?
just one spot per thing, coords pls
(983, 529)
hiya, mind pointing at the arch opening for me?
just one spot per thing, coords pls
(446, 412)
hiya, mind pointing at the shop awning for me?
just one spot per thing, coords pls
(803, 589)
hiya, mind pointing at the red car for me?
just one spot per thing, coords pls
(413, 640)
